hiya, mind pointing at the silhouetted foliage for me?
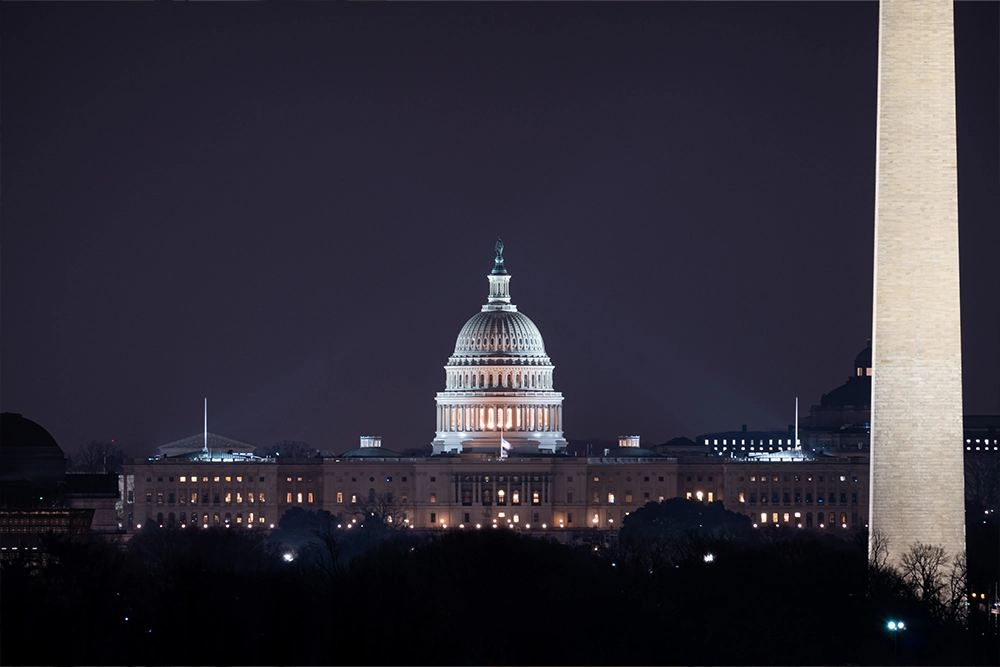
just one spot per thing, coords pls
(96, 456)
(289, 449)
(228, 596)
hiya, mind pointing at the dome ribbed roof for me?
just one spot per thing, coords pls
(499, 332)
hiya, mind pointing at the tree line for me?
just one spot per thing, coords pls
(682, 582)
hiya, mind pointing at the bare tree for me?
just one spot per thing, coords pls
(878, 551)
(958, 589)
(982, 479)
(379, 509)
(97, 456)
(289, 449)
(923, 567)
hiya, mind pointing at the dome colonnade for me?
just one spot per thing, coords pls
(499, 381)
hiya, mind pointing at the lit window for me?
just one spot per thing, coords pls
(597, 479)
(699, 495)
(628, 497)
(288, 497)
(611, 498)
(239, 498)
(661, 499)
(774, 517)
(239, 518)
(763, 517)
(742, 499)
(515, 497)
(288, 479)
(354, 498)
(298, 479)
(262, 497)
(535, 498)
(229, 497)
(785, 517)
(710, 494)
(260, 519)
(298, 497)
(310, 499)
(214, 479)
(250, 497)
(689, 495)
(340, 497)
(205, 479)
(250, 518)
(434, 498)
(239, 478)
(183, 479)
(159, 498)
(228, 478)
(194, 498)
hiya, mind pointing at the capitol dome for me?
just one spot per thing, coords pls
(499, 333)
(498, 381)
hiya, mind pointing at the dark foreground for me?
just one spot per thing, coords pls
(480, 597)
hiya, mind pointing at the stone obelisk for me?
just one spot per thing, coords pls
(917, 482)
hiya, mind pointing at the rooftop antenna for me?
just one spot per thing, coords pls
(797, 445)
(205, 447)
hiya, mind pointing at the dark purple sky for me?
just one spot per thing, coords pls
(291, 209)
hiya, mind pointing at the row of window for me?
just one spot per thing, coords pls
(191, 479)
(217, 498)
(797, 478)
(611, 478)
(786, 497)
(216, 519)
(821, 518)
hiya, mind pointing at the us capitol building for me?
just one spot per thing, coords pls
(499, 459)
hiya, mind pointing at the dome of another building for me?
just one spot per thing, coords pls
(499, 333)
(864, 358)
(370, 453)
(16, 431)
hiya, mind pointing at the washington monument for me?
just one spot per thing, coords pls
(917, 483)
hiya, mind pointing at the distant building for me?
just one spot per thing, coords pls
(38, 498)
(498, 386)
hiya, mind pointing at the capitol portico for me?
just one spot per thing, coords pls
(498, 382)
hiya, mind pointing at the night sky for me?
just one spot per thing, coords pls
(291, 210)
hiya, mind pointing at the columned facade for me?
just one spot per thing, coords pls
(498, 382)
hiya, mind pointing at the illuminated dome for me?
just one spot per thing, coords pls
(499, 333)
(498, 381)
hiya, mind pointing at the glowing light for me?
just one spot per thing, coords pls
(527, 525)
(709, 558)
(896, 625)
(544, 526)
(479, 525)
(288, 557)
(461, 525)
(138, 525)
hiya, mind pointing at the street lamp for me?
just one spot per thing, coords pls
(895, 627)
